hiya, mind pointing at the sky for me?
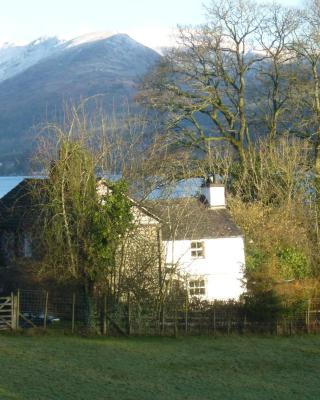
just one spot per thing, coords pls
(149, 21)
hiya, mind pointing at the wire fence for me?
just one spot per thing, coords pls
(68, 312)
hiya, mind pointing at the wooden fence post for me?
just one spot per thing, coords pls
(245, 323)
(73, 311)
(104, 317)
(308, 316)
(18, 309)
(129, 314)
(186, 315)
(46, 310)
(163, 320)
(13, 312)
(214, 321)
(175, 321)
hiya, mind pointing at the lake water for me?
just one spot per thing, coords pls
(188, 187)
(9, 182)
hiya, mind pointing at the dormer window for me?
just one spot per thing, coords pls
(197, 249)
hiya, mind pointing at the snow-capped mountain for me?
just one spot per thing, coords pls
(15, 59)
(37, 80)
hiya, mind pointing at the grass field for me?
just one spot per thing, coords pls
(63, 368)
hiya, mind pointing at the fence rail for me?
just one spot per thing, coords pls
(30, 309)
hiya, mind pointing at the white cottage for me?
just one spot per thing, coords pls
(203, 245)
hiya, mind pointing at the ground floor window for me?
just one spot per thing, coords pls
(170, 268)
(197, 287)
(27, 247)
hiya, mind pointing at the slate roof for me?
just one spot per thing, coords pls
(181, 219)
(19, 210)
(16, 207)
(191, 219)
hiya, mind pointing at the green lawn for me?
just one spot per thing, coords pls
(63, 368)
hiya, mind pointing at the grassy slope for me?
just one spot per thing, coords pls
(159, 368)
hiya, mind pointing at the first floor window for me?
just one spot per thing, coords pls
(197, 249)
(197, 287)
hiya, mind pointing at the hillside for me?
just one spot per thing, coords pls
(110, 67)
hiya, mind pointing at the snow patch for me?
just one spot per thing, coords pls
(89, 37)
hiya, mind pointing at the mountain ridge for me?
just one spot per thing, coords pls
(17, 58)
(110, 67)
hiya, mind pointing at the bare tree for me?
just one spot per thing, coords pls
(202, 84)
(306, 44)
(278, 72)
(88, 230)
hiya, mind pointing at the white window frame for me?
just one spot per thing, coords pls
(197, 249)
(197, 286)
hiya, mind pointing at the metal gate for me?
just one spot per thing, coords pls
(6, 312)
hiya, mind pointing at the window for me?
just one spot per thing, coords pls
(27, 248)
(197, 249)
(197, 287)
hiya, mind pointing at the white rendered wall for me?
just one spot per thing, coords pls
(142, 218)
(221, 267)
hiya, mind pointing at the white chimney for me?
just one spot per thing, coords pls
(214, 194)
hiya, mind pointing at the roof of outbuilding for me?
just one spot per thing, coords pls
(191, 219)
(16, 207)
(19, 209)
(186, 218)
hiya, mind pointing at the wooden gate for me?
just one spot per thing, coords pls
(6, 312)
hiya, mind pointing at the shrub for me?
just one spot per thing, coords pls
(263, 307)
(294, 264)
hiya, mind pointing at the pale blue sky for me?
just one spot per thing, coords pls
(149, 21)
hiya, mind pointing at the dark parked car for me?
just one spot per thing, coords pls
(30, 319)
